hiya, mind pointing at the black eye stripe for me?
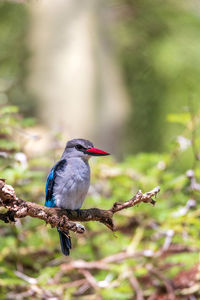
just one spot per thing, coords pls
(79, 147)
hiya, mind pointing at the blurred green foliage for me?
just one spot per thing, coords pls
(14, 24)
(30, 247)
(158, 45)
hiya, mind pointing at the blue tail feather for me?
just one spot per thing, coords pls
(65, 242)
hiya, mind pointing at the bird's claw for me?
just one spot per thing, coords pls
(69, 211)
(80, 228)
(78, 211)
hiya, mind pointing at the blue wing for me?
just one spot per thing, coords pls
(65, 240)
(49, 199)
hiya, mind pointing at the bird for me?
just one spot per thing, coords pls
(69, 180)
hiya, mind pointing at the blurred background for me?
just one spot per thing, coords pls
(124, 74)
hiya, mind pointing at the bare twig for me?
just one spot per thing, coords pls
(90, 279)
(26, 278)
(136, 286)
(75, 283)
(166, 282)
(61, 218)
(106, 262)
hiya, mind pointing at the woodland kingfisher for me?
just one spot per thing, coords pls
(68, 181)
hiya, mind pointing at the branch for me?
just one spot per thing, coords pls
(62, 218)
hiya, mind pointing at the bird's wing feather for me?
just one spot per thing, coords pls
(65, 240)
(49, 200)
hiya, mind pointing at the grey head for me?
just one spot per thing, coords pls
(81, 148)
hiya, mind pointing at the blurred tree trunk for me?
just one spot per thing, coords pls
(74, 73)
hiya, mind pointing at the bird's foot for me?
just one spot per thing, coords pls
(78, 211)
(80, 228)
(69, 211)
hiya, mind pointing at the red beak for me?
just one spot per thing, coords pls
(96, 152)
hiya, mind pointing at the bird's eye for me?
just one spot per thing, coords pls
(79, 147)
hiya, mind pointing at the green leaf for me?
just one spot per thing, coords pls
(182, 118)
(9, 109)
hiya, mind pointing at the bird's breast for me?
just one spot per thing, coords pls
(71, 184)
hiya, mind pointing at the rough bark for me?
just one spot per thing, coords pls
(62, 218)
